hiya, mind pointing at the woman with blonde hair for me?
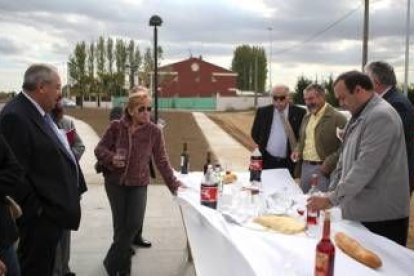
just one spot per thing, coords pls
(125, 151)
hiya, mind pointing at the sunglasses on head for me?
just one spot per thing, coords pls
(144, 108)
(279, 98)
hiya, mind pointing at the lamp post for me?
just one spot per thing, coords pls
(155, 21)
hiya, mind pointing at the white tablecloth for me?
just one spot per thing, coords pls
(223, 248)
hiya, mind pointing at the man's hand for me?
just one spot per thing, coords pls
(317, 203)
(324, 170)
(294, 156)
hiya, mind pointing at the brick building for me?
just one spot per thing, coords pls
(195, 77)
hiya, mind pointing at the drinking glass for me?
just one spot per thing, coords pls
(120, 157)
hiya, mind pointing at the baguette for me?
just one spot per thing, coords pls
(354, 249)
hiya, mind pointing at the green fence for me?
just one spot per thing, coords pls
(177, 103)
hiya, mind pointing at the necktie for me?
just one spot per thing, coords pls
(61, 137)
(289, 131)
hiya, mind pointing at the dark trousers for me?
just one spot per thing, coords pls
(62, 257)
(272, 162)
(38, 240)
(128, 209)
(395, 230)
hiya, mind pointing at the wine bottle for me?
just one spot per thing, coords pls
(184, 160)
(325, 250)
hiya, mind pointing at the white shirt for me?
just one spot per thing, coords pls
(277, 143)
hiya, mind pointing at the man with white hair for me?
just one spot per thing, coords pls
(275, 129)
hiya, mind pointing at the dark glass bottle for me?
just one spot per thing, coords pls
(208, 162)
(256, 165)
(209, 189)
(184, 160)
(325, 250)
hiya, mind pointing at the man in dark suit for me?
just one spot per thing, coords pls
(11, 176)
(270, 130)
(50, 192)
(384, 80)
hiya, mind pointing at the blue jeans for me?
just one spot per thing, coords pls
(9, 257)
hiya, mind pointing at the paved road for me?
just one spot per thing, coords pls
(163, 226)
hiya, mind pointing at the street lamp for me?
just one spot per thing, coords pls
(155, 21)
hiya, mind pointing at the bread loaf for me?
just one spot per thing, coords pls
(229, 178)
(282, 224)
(354, 249)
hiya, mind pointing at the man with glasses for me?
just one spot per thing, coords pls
(275, 129)
(318, 144)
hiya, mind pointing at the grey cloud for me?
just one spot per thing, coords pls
(9, 47)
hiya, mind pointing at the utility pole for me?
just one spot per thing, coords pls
(270, 58)
(407, 48)
(255, 77)
(365, 35)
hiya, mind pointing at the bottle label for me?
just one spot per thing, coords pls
(322, 264)
(256, 164)
(182, 161)
(209, 193)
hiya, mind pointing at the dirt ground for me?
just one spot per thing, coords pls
(181, 127)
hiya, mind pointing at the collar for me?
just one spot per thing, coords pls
(38, 107)
(381, 95)
(321, 111)
(361, 108)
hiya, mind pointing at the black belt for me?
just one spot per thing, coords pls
(313, 163)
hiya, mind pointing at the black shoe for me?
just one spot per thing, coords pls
(70, 274)
(139, 241)
(131, 251)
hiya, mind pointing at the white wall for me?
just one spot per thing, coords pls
(107, 105)
(240, 103)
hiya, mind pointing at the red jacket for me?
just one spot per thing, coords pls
(145, 142)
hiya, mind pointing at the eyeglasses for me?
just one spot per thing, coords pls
(144, 108)
(279, 98)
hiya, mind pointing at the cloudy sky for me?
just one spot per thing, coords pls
(312, 38)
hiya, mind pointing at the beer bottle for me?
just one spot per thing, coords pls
(325, 250)
(184, 160)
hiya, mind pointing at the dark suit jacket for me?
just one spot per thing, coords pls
(406, 111)
(11, 175)
(53, 181)
(263, 122)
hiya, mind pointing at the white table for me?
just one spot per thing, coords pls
(222, 248)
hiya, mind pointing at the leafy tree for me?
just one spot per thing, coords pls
(301, 84)
(251, 65)
(148, 67)
(120, 64)
(77, 70)
(110, 54)
(100, 56)
(135, 60)
(330, 96)
(91, 60)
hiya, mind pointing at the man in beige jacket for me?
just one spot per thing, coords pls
(318, 144)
